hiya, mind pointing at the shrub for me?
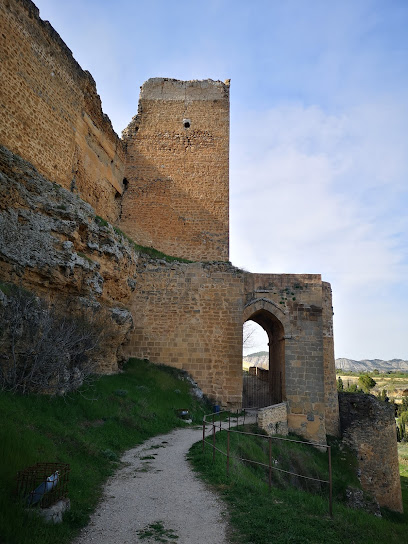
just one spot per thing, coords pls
(366, 382)
(41, 349)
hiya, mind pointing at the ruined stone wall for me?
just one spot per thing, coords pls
(51, 113)
(296, 301)
(330, 383)
(190, 316)
(368, 427)
(177, 169)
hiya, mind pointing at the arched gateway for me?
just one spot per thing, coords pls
(266, 387)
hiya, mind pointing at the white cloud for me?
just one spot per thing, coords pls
(317, 193)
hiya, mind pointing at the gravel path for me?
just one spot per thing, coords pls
(156, 497)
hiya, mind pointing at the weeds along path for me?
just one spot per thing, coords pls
(156, 497)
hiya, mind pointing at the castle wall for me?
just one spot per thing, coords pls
(296, 300)
(177, 169)
(330, 384)
(368, 427)
(190, 316)
(51, 113)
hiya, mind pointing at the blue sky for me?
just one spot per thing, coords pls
(319, 133)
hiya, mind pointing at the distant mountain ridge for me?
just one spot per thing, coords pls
(261, 359)
(368, 365)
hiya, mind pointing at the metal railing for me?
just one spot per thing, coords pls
(226, 426)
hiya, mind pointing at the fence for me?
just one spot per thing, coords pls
(226, 425)
(261, 388)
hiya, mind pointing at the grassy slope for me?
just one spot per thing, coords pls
(290, 514)
(89, 430)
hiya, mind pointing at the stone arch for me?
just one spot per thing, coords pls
(274, 320)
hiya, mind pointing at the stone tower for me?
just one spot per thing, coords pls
(177, 169)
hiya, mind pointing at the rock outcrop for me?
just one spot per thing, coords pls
(53, 243)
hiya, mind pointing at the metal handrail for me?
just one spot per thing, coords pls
(217, 426)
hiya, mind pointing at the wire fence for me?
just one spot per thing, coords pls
(217, 424)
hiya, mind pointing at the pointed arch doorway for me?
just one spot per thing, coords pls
(266, 387)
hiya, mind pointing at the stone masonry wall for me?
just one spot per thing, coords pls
(51, 113)
(177, 169)
(274, 419)
(296, 301)
(368, 427)
(330, 384)
(190, 316)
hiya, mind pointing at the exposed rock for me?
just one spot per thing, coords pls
(51, 243)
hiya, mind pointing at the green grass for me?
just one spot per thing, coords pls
(295, 510)
(89, 429)
(158, 533)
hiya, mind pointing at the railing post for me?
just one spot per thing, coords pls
(213, 440)
(229, 421)
(228, 451)
(270, 464)
(330, 483)
(220, 420)
(244, 415)
(203, 434)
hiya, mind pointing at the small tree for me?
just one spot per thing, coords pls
(366, 382)
(352, 388)
(249, 331)
(382, 396)
(340, 385)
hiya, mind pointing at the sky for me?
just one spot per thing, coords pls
(319, 133)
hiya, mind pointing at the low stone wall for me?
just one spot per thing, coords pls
(368, 428)
(274, 419)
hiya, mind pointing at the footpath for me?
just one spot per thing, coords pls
(156, 497)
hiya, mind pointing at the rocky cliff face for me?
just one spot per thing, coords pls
(51, 242)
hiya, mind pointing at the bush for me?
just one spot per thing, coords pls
(41, 349)
(366, 382)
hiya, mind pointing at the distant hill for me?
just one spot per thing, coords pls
(261, 359)
(368, 365)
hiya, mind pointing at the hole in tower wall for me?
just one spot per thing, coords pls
(186, 123)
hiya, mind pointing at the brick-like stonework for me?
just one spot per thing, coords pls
(190, 316)
(368, 427)
(274, 419)
(290, 307)
(51, 113)
(177, 169)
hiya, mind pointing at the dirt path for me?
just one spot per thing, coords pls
(156, 497)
